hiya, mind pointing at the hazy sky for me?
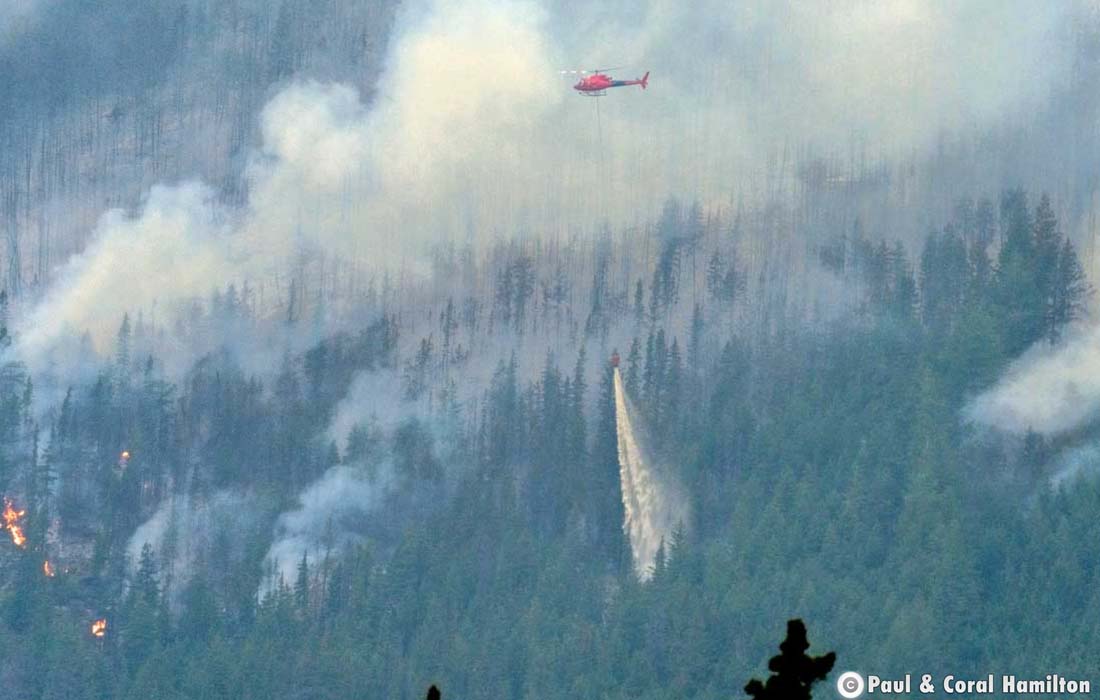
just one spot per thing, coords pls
(473, 129)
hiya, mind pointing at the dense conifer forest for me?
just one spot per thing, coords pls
(345, 353)
(828, 471)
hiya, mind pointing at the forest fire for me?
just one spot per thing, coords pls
(47, 568)
(99, 628)
(11, 523)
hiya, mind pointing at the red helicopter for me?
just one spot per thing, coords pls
(595, 85)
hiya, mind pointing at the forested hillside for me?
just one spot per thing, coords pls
(474, 538)
(102, 100)
(344, 350)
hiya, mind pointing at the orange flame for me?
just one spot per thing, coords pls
(99, 628)
(47, 568)
(11, 523)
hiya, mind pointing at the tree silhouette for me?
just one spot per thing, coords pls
(434, 694)
(793, 672)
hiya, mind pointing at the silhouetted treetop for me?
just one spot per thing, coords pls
(793, 671)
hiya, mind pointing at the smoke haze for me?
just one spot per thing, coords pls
(184, 529)
(1048, 390)
(320, 525)
(471, 118)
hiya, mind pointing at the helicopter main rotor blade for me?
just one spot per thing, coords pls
(591, 70)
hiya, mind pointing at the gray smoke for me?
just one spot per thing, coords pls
(15, 15)
(471, 117)
(1048, 390)
(373, 398)
(1075, 464)
(321, 524)
(183, 531)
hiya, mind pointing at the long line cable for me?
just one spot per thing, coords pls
(601, 172)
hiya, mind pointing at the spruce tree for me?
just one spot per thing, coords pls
(1070, 290)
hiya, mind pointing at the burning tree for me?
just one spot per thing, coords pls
(11, 523)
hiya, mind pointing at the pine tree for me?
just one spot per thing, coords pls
(145, 584)
(1035, 454)
(695, 342)
(1070, 291)
(639, 304)
(415, 377)
(141, 627)
(1047, 242)
(674, 410)
(301, 586)
(657, 570)
(122, 349)
(632, 375)
(5, 338)
(904, 290)
(716, 269)
(448, 327)
(1017, 294)
(578, 431)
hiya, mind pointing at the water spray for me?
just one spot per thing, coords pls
(652, 505)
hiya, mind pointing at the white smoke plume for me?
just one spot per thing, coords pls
(1047, 390)
(320, 525)
(472, 131)
(331, 176)
(738, 89)
(373, 398)
(653, 505)
(335, 510)
(176, 248)
(182, 244)
(1078, 463)
(15, 15)
(183, 529)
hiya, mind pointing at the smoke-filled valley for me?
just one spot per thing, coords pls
(344, 351)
